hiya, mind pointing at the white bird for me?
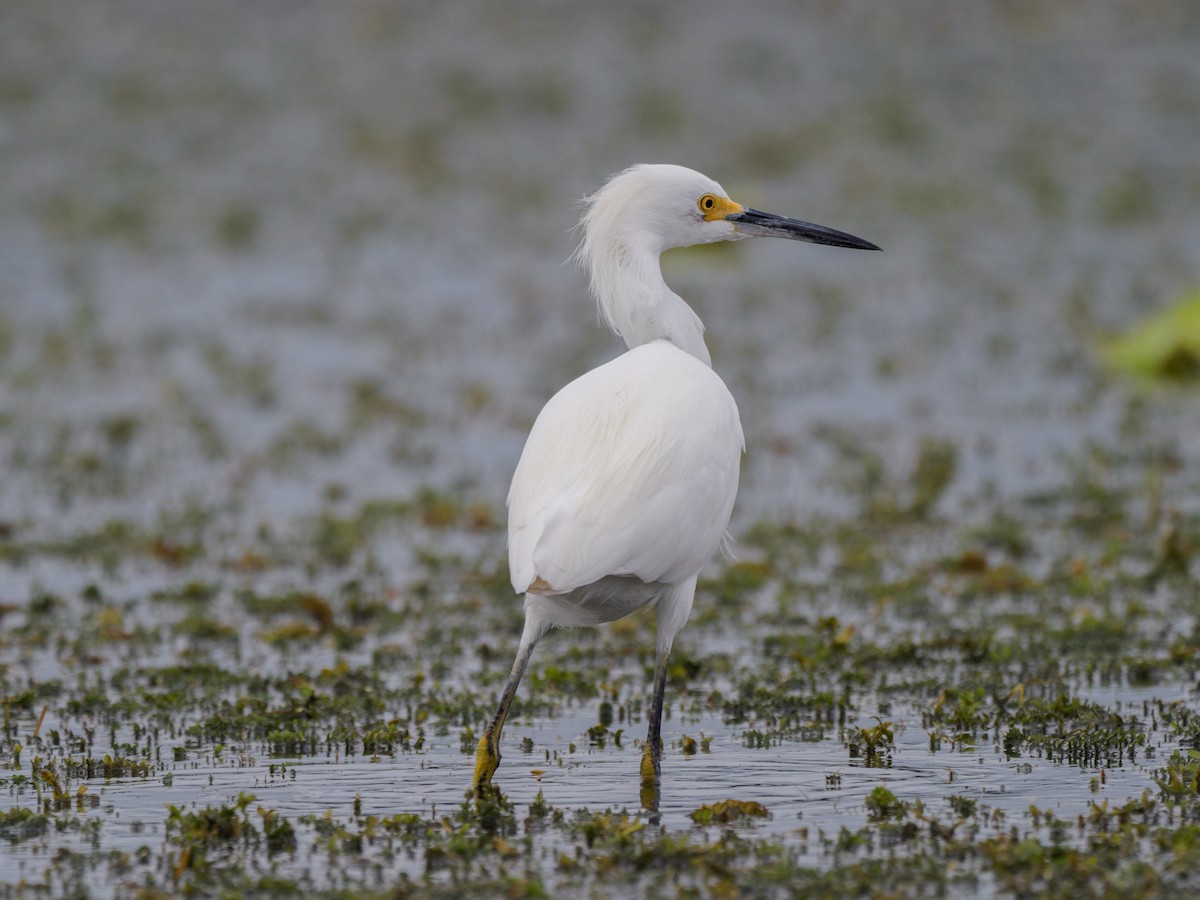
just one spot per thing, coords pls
(628, 478)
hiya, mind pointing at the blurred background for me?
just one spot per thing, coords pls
(274, 256)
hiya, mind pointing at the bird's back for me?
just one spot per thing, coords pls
(630, 470)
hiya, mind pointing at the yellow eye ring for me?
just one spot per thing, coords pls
(714, 208)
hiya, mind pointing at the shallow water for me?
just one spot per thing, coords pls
(260, 269)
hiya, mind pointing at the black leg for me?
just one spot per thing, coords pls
(487, 755)
(652, 754)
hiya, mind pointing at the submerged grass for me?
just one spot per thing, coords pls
(974, 640)
(210, 711)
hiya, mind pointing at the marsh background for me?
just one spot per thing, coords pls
(282, 288)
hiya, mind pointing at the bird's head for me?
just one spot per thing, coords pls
(657, 207)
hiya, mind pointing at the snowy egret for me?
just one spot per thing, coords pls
(627, 481)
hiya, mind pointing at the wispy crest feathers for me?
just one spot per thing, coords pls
(601, 251)
(624, 228)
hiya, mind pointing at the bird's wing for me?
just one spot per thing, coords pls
(631, 469)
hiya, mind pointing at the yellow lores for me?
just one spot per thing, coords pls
(627, 481)
(717, 208)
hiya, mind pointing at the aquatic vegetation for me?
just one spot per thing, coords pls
(1165, 347)
(874, 743)
(19, 824)
(725, 811)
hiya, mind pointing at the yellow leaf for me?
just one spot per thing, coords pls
(1165, 346)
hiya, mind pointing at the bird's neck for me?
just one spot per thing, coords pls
(637, 304)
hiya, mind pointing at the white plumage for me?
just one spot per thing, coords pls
(630, 470)
(628, 478)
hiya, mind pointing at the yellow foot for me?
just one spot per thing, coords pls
(487, 758)
(651, 789)
(650, 766)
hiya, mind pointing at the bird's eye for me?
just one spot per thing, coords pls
(707, 203)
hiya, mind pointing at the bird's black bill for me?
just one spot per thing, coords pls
(756, 222)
